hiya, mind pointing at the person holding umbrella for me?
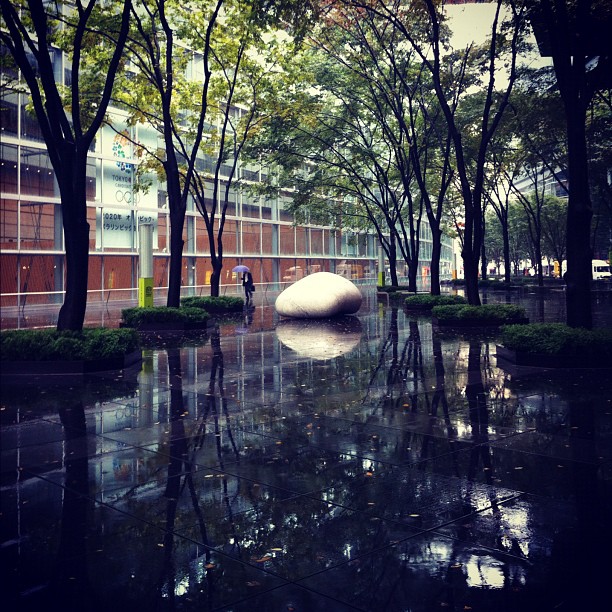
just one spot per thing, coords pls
(247, 282)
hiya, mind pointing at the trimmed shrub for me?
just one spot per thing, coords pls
(135, 317)
(497, 313)
(52, 345)
(214, 304)
(428, 301)
(392, 288)
(558, 339)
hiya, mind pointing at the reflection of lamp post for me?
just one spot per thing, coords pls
(145, 277)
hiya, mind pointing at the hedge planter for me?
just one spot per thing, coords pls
(165, 319)
(554, 345)
(392, 288)
(215, 305)
(487, 315)
(169, 326)
(422, 304)
(20, 369)
(67, 352)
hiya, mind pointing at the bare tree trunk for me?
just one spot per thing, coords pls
(483, 262)
(215, 279)
(76, 240)
(538, 256)
(436, 251)
(392, 257)
(470, 271)
(568, 26)
(177, 220)
(413, 271)
(71, 180)
(579, 213)
(470, 255)
(507, 260)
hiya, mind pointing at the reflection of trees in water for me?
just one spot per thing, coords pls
(507, 572)
(403, 366)
(181, 462)
(505, 538)
(439, 400)
(217, 371)
(478, 415)
(502, 408)
(179, 476)
(407, 387)
(71, 585)
(581, 575)
(472, 467)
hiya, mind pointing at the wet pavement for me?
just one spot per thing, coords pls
(370, 463)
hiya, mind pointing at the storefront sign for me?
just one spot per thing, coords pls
(117, 229)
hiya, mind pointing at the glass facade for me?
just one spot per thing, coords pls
(261, 234)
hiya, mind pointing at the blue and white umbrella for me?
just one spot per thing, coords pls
(240, 268)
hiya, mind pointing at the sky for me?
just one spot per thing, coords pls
(472, 23)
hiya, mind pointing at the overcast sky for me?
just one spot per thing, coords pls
(472, 23)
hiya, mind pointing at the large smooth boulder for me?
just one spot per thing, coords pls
(320, 339)
(319, 295)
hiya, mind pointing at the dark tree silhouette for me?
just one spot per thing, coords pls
(68, 125)
(577, 36)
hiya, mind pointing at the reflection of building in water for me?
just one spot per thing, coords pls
(264, 382)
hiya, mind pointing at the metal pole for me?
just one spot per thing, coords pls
(145, 260)
(381, 266)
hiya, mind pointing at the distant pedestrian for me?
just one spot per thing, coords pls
(249, 286)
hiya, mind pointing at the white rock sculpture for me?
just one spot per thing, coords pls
(319, 295)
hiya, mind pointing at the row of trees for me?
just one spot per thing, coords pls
(395, 126)
(362, 109)
(540, 232)
(134, 56)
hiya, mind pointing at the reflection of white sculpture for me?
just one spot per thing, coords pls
(320, 339)
(318, 295)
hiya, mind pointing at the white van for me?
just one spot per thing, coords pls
(600, 269)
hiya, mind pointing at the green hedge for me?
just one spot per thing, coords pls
(134, 317)
(214, 304)
(426, 300)
(558, 339)
(499, 313)
(51, 345)
(392, 288)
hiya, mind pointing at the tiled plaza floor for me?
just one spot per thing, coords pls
(370, 463)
